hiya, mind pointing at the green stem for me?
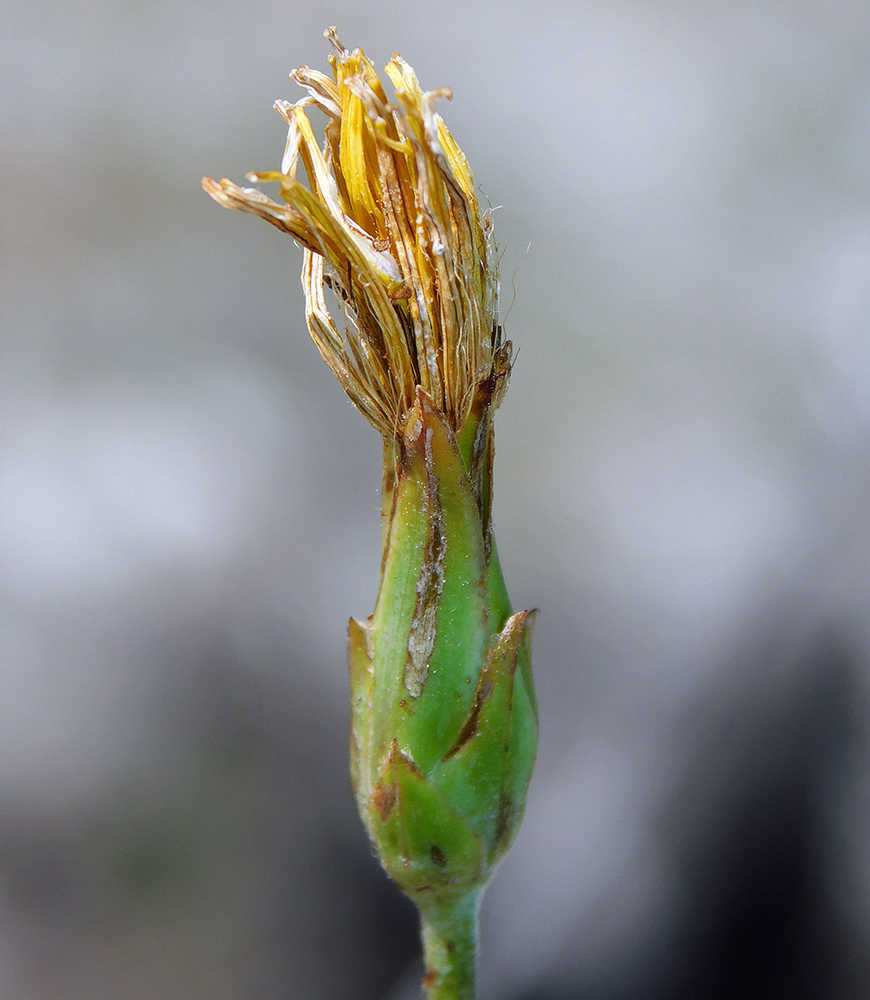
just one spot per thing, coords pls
(449, 946)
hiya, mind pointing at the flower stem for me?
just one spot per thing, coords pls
(449, 946)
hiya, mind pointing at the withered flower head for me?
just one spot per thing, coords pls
(390, 223)
(444, 719)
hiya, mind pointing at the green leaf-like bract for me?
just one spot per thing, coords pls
(444, 717)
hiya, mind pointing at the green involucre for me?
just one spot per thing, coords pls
(444, 717)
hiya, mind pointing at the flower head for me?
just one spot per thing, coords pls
(444, 716)
(391, 225)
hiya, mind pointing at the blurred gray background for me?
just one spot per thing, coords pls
(189, 505)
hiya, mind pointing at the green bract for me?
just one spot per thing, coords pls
(444, 718)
